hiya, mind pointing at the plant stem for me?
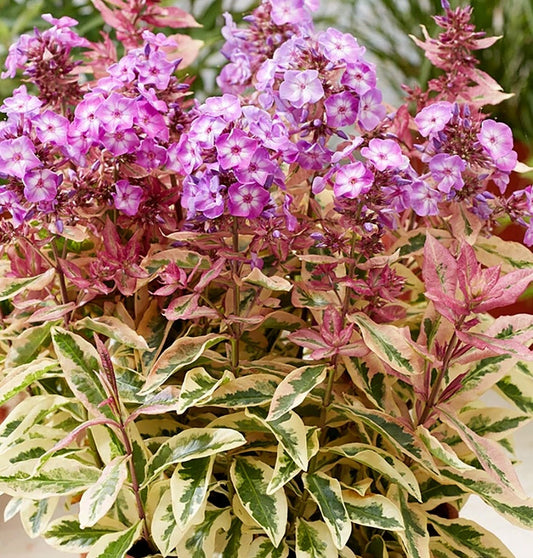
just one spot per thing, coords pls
(235, 341)
(61, 275)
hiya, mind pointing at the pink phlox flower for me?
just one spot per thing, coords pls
(61, 33)
(289, 11)
(120, 142)
(184, 156)
(156, 70)
(78, 144)
(235, 150)
(337, 46)
(301, 87)
(150, 155)
(124, 69)
(496, 138)
(10, 201)
(446, 170)
(21, 103)
(206, 197)
(347, 150)
(341, 109)
(266, 74)
(433, 118)
(528, 236)
(41, 185)
(313, 156)
(158, 40)
(352, 180)
(227, 106)
(51, 127)
(247, 200)
(371, 109)
(149, 94)
(64, 21)
(127, 197)
(507, 163)
(423, 199)
(17, 157)
(205, 129)
(116, 112)
(85, 118)
(260, 170)
(359, 76)
(151, 121)
(235, 74)
(385, 154)
(18, 55)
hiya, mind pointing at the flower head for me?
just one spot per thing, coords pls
(247, 200)
(301, 87)
(433, 118)
(127, 197)
(41, 185)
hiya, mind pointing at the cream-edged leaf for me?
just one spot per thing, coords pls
(116, 545)
(198, 386)
(20, 377)
(116, 329)
(313, 540)
(36, 515)
(199, 540)
(373, 510)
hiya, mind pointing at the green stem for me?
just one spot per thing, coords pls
(61, 275)
(235, 341)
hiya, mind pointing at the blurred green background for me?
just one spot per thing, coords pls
(382, 26)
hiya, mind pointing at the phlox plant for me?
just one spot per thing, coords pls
(259, 325)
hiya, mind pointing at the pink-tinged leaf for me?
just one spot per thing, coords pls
(440, 268)
(163, 16)
(308, 338)
(187, 49)
(50, 314)
(210, 275)
(468, 269)
(494, 345)
(182, 307)
(518, 327)
(486, 42)
(490, 454)
(507, 289)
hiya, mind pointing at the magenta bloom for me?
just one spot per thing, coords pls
(299, 88)
(423, 199)
(340, 46)
(151, 121)
(353, 180)
(446, 170)
(51, 127)
(434, 118)
(371, 110)
(41, 185)
(496, 138)
(157, 70)
(120, 142)
(359, 76)
(127, 197)
(85, 115)
(227, 106)
(247, 200)
(17, 157)
(21, 102)
(204, 196)
(150, 155)
(206, 129)
(184, 156)
(235, 150)
(385, 154)
(341, 109)
(289, 11)
(117, 112)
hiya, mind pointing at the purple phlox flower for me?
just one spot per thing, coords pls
(158, 40)
(301, 87)
(507, 163)
(319, 184)
(423, 199)
(10, 201)
(85, 118)
(290, 220)
(352, 180)
(433, 118)
(496, 138)
(183, 157)
(150, 155)
(151, 121)
(371, 110)
(205, 129)
(21, 103)
(347, 150)
(235, 74)
(61, 32)
(227, 106)
(149, 94)
(260, 170)
(17, 157)
(235, 150)
(17, 55)
(51, 127)
(124, 69)
(446, 170)
(528, 236)
(337, 46)
(313, 156)
(78, 144)
(120, 142)
(127, 197)
(359, 76)
(247, 200)
(116, 112)
(341, 109)
(289, 11)
(271, 130)
(64, 21)
(41, 185)
(266, 75)
(205, 196)
(156, 70)
(385, 154)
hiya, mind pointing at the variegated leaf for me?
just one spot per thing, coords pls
(289, 431)
(494, 422)
(36, 515)
(10, 287)
(494, 251)
(66, 534)
(199, 540)
(189, 486)
(274, 283)
(183, 352)
(313, 540)
(440, 450)
(467, 537)
(80, 364)
(263, 548)
(153, 328)
(198, 386)
(26, 347)
(383, 462)
(116, 545)
(20, 377)
(237, 540)
(415, 538)
(165, 530)
(114, 328)
(250, 478)
(245, 391)
(373, 510)
(326, 492)
(294, 388)
(98, 499)
(518, 388)
(194, 443)
(13, 508)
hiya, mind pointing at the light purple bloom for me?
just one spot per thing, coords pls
(116, 112)
(289, 11)
(433, 118)
(260, 170)
(359, 76)
(127, 197)
(150, 155)
(371, 111)
(85, 115)
(313, 156)
(446, 170)
(51, 127)
(235, 150)
(17, 157)
(227, 106)
(157, 70)
(151, 121)
(353, 180)
(184, 156)
(120, 142)
(423, 199)
(385, 154)
(206, 197)
(41, 185)
(21, 102)
(341, 109)
(340, 46)
(205, 129)
(247, 200)
(507, 163)
(9, 200)
(496, 138)
(299, 88)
